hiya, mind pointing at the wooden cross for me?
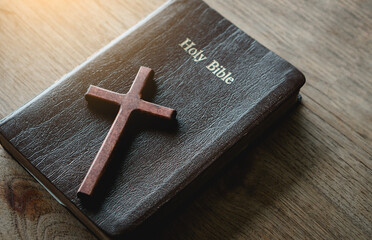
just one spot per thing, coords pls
(127, 103)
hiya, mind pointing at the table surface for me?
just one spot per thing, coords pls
(308, 178)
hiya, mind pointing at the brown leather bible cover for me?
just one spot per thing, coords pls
(57, 135)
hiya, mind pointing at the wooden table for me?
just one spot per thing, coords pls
(308, 178)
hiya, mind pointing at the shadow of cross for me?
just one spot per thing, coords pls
(127, 104)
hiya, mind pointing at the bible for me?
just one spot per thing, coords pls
(225, 86)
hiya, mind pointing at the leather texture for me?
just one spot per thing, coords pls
(60, 134)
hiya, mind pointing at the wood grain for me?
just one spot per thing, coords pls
(308, 178)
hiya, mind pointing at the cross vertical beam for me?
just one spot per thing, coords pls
(127, 104)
